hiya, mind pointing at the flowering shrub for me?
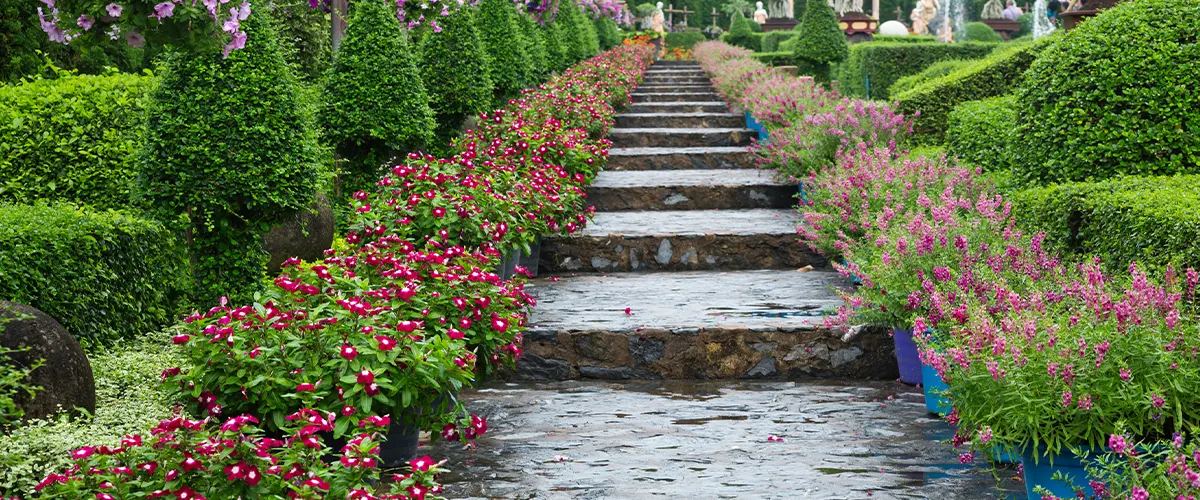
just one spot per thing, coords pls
(196, 459)
(1141, 471)
(162, 22)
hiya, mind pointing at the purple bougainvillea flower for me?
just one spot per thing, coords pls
(85, 22)
(114, 10)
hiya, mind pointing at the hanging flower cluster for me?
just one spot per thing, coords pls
(597, 9)
(135, 20)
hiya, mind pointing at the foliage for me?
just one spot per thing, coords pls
(506, 47)
(374, 102)
(576, 29)
(685, 39)
(608, 33)
(994, 75)
(230, 151)
(904, 39)
(770, 40)
(304, 35)
(776, 58)
(557, 57)
(21, 38)
(739, 32)
(821, 41)
(1026, 29)
(980, 32)
(72, 139)
(1163, 468)
(873, 67)
(935, 70)
(454, 69)
(980, 132)
(535, 46)
(13, 383)
(1150, 220)
(136, 23)
(1102, 95)
(126, 403)
(103, 275)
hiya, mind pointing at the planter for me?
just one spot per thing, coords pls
(400, 446)
(906, 356)
(756, 126)
(517, 257)
(1040, 474)
(934, 388)
(853, 277)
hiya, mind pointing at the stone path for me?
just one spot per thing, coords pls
(702, 440)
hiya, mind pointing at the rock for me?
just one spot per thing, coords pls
(646, 351)
(65, 377)
(534, 367)
(764, 369)
(622, 373)
(305, 235)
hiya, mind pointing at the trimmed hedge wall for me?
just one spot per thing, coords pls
(776, 58)
(685, 39)
(874, 66)
(994, 75)
(1115, 96)
(72, 139)
(772, 39)
(905, 39)
(1152, 220)
(979, 32)
(935, 70)
(104, 275)
(979, 132)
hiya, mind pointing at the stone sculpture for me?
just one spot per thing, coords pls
(65, 377)
(657, 19)
(923, 14)
(781, 9)
(841, 7)
(760, 15)
(993, 9)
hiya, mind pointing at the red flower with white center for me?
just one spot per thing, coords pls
(181, 339)
(365, 377)
(421, 464)
(189, 463)
(455, 334)
(372, 389)
(306, 387)
(385, 343)
(499, 324)
(349, 352)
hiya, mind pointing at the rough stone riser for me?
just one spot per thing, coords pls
(673, 107)
(643, 97)
(675, 89)
(729, 353)
(683, 161)
(705, 252)
(677, 80)
(667, 121)
(667, 138)
(691, 197)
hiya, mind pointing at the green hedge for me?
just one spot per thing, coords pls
(71, 139)
(776, 58)
(1152, 220)
(979, 32)
(741, 35)
(994, 75)
(454, 68)
(772, 39)
(821, 42)
(935, 70)
(104, 275)
(1115, 96)
(873, 67)
(980, 132)
(905, 39)
(685, 39)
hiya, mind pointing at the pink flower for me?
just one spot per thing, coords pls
(163, 10)
(421, 464)
(306, 387)
(114, 10)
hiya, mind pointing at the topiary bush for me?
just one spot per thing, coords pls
(22, 37)
(455, 71)
(776, 58)
(979, 32)
(771, 40)
(991, 76)
(503, 41)
(935, 70)
(230, 151)
(304, 35)
(557, 55)
(105, 275)
(904, 39)
(609, 34)
(1114, 96)
(575, 30)
(535, 47)
(739, 31)
(374, 104)
(1026, 29)
(980, 132)
(72, 139)
(873, 67)
(821, 41)
(685, 39)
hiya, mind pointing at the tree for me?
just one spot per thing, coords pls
(375, 102)
(230, 151)
(535, 40)
(508, 64)
(454, 69)
(821, 41)
(574, 26)
(557, 54)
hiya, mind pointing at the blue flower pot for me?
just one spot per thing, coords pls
(934, 388)
(907, 357)
(1003, 455)
(1040, 474)
(754, 125)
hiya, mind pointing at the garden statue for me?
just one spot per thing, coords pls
(841, 7)
(993, 9)
(781, 9)
(760, 15)
(923, 14)
(657, 19)
(945, 32)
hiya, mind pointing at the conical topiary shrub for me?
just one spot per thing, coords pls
(375, 104)
(821, 41)
(454, 69)
(574, 25)
(606, 30)
(230, 151)
(557, 54)
(508, 61)
(739, 31)
(535, 46)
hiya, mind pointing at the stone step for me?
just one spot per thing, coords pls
(696, 325)
(639, 97)
(676, 80)
(680, 137)
(675, 88)
(729, 157)
(678, 107)
(674, 64)
(614, 191)
(683, 240)
(680, 120)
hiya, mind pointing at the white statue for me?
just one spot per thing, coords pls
(657, 19)
(760, 15)
(781, 9)
(841, 7)
(993, 9)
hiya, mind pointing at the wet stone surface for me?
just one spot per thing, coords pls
(680, 137)
(729, 157)
(702, 440)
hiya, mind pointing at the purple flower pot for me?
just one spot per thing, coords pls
(907, 357)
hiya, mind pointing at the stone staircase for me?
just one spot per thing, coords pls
(700, 247)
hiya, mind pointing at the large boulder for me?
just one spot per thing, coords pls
(305, 235)
(66, 376)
